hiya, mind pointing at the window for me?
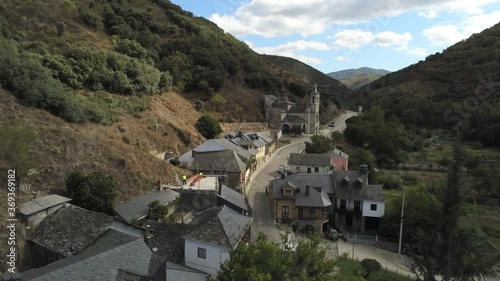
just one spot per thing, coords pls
(287, 192)
(316, 169)
(285, 212)
(343, 203)
(357, 204)
(309, 170)
(373, 207)
(312, 211)
(202, 253)
(298, 168)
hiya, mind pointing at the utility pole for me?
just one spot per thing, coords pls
(402, 220)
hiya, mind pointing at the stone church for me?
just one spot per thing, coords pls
(284, 114)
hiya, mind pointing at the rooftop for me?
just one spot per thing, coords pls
(325, 181)
(218, 161)
(351, 191)
(42, 203)
(293, 119)
(309, 159)
(317, 197)
(137, 207)
(71, 229)
(234, 197)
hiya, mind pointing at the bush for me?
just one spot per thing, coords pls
(95, 192)
(198, 105)
(175, 161)
(370, 265)
(208, 127)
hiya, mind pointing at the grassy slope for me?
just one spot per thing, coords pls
(358, 81)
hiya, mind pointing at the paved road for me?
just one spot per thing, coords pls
(259, 201)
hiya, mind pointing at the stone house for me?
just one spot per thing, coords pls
(309, 163)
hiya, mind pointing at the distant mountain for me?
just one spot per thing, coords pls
(347, 73)
(358, 81)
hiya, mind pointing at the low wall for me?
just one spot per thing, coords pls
(244, 126)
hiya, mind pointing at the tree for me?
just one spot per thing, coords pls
(450, 249)
(337, 137)
(95, 192)
(208, 127)
(267, 261)
(319, 144)
(157, 212)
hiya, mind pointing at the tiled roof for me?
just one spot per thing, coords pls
(234, 197)
(293, 119)
(325, 181)
(298, 108)
(42, 203)
(177, 272)
(226, 160)
(70, 230)
(341, 153)
(132, 257)
(221, 228)
(352, 191)
(137, 207)
(232, 146)
(314, 199)
(309, 159)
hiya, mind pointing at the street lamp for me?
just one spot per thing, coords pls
(402, 220)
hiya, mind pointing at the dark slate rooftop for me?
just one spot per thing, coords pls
(226, 160)
(42, 203)
(293, 119)
(70, 230)
(298, 108)
(177, 272)
(314, 199)
(309, 159)
(243, 153)
(325, 181)
(132, 257)
(234, 197)
(221, 227)
(351, 191)
(137, 208)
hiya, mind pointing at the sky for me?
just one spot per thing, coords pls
(332, 35)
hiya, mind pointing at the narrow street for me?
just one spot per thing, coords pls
(259, 202)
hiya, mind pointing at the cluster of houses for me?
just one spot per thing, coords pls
(205, 221)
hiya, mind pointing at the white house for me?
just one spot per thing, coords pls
(206, 247)
(309, 163)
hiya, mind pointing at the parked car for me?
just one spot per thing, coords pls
(331, 124)
(281, 169)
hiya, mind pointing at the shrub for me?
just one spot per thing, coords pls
(175, 161)
(126, 139)
(157, 212)
(198, 105)
(370, 265)
(208, 127)
(95, 192)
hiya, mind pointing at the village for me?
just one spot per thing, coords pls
(241, 185)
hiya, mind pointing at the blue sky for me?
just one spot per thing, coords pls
(332, 35)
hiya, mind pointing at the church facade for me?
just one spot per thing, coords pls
(283, 114)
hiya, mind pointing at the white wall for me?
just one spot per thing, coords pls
(369, 213)
(215, 256)
(303, 169)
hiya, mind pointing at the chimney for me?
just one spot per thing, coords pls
(193, 153)
(363, 169)
(307, 189)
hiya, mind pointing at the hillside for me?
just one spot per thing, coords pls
(348, 73)
(458, 85)
(296, 74)
(358, 81)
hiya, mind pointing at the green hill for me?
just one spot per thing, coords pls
(347, 73)
(358, 81)
(458, 86)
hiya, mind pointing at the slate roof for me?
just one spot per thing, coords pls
(111, 238)
(42, 203)
(293, 119)
(340, 153)
(132, 257)
(245, 154)
(177, 272)
(314, 199)
(298, 108)
(137, 207)
(234, 197)
(351, 191)
(221, 228)
(309, 159)
(216, 145)
(276, 109)
(226, 160)
(70, 230)
(325, 181)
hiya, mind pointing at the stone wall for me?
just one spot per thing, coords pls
(244, 126)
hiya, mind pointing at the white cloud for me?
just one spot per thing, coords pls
(429, 14)
(420, 52)
(340, 58)
(289, 50)
(274, 18)
(447, 34)
(355, 38)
